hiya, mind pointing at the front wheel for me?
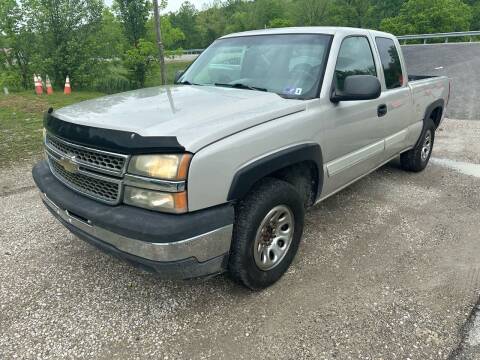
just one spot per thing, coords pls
(267, 232)
(417, 158)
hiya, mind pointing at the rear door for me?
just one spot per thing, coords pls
(396, 95)
(353, 141)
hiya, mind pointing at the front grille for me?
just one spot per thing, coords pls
(100, 189)
(100, 160)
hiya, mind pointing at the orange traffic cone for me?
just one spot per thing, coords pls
(38, 85)
(67, 90)
(49, 86)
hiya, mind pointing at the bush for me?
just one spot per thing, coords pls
(139, 61)
(114, 80)
(112, 83)
(11, 80)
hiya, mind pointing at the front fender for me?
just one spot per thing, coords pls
(247, 176)
(214, 168)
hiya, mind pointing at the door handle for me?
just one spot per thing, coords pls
(382, 110)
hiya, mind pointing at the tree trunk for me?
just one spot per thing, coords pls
(158, 30)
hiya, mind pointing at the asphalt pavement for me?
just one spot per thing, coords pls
(388, 269)
(461, 63)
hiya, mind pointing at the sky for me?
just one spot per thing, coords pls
(173, 5)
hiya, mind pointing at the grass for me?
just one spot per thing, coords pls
(21, 117)
(21, 122)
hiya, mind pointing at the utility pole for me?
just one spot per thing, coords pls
(161, 55)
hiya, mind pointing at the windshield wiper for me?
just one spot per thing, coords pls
(242, 86)
(186, 82)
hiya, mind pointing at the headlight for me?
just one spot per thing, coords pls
(156, 200)
(166, 167)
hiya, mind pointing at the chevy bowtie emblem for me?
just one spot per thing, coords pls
(69, 164)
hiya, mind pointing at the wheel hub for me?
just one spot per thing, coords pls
(268, 234)
(274, 237)
(427, 146)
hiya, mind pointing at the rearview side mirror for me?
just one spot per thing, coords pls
(358, 87)
(178, 75)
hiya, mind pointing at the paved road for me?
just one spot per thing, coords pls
(388, 270)
(460, 62)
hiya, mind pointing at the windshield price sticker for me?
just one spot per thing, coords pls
(293, 91)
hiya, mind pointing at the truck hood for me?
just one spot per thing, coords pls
(195, 115)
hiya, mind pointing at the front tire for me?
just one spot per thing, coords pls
(417, 158)
(267, 232)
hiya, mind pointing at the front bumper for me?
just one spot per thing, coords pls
(175, 246)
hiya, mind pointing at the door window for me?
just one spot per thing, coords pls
(354, 58)
(392, 68)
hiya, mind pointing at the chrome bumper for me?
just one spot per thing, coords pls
(202, 247)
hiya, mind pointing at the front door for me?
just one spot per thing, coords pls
(353, 131)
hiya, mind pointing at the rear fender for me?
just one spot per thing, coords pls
(440, 103)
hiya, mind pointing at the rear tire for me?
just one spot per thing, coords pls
(267, 231)
(416, 159)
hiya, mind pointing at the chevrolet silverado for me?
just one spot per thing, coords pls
(214, 173)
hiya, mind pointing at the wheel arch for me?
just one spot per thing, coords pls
(277, 165)
(434, 111)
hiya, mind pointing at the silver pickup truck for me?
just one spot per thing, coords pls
(214, 173)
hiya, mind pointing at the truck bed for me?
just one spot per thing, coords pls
(427, 90)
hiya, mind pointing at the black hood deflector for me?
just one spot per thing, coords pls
(124, 142)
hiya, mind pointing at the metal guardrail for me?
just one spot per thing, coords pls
(192, 51)
(446, 36)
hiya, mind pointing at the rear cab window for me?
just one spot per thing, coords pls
(392, 67)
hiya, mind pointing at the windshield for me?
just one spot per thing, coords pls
(289, 65)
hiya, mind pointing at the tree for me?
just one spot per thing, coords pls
(278, 23)
(265, 11)
(354, 13)
(17, 26)
(475, 25)
(51, 36)
(113, 42)
(239, 21)
(386, 8)
(133, 15)
(172, 37)
(311, 12)
(67, 31)
(185, 20)
(210, 25)
(139, 61)
(429, 16)
(81, 38)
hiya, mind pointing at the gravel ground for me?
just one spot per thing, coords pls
(388, 269)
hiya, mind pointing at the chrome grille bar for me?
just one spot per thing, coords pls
(96, 160)
(95, 186)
